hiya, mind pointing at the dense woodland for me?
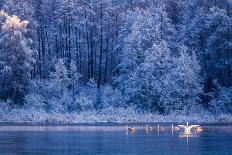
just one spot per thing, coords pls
(78, 55)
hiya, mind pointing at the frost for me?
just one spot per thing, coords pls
(108, 115)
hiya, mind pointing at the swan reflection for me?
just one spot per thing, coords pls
(188, 135)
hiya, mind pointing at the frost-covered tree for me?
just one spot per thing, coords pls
(163, 26)
(183, 90)
(223, 102)
(148, 40)
(219, 45)
(16, 58)
(66, 20)
(60, 79)
(112, 97)
(23, 9)
(205, 29)
(74, 77)
(138, 43)
(149, 79)
(131, 40)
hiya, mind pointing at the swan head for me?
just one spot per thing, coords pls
(176, 129)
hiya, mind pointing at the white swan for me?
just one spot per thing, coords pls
(160, 128)
(148, 128)
(174, 128)
(187, 128)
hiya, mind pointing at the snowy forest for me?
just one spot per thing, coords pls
(114, 60)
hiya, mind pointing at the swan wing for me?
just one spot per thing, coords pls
(182, 126)
(193, 126)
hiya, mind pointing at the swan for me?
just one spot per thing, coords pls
(198, 129)
(160, 128)
(148, 128)
(131, 129)
(187, 128)
(175, 128)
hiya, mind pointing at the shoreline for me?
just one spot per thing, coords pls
(104, 124)
(101, 128)
(114, 117)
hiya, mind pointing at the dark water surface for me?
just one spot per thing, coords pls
(112, 141)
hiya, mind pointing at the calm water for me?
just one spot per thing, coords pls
(110, 141)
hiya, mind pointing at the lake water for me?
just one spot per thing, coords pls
(112, 141)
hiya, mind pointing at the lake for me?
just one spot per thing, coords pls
(112, 140)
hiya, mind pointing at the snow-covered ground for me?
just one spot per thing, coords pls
(110, 115)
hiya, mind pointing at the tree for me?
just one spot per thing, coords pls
(219, 45)
(163, 27)
(60, 78)
(136, 37)
(17, 58)
(148, 42)
(205, 30)
(66, 16)
(183, 90)
(75, 77)
(222, 103)
(150, 78)
(23, 9)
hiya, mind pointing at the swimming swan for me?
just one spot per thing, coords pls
(160, 128)
(131, 129)
(148, 128)
(175, 128)
(187, 128)
(198, 129)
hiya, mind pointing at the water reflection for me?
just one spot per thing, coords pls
(188, 135)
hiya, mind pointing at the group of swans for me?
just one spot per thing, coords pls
(187, 128)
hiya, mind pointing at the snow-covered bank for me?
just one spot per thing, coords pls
(110, 115)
